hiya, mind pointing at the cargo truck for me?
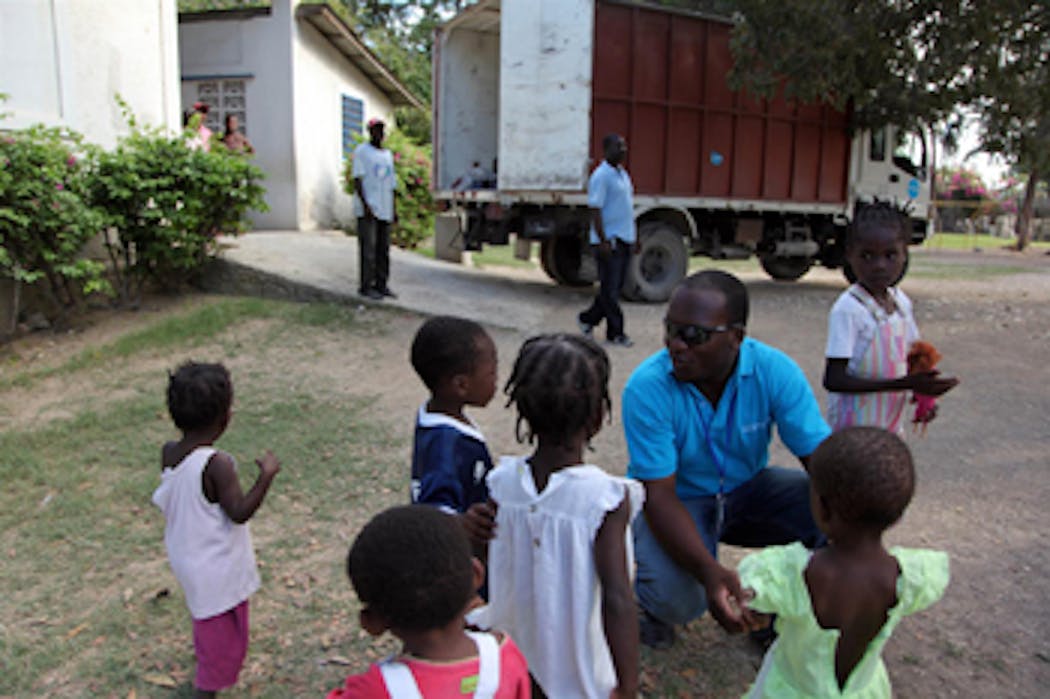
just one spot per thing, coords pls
(525, 90)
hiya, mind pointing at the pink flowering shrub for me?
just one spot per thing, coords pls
(46, 215)
(165, 202)
(960, 184)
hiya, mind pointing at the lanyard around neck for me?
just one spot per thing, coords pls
(709, 440)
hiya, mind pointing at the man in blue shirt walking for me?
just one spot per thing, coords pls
(698, 417)
(610, 197)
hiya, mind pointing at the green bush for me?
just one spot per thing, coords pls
(46, 217)
(165, 204)
(414, 203)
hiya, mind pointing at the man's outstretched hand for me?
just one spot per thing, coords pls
(726, 600)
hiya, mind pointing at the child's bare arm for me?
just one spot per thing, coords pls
(223, 487)
(479, 521)
(619, 615)
(838, 380)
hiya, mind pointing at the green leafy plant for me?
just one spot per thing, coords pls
(165, 204)
(415, 205)
(46, 217)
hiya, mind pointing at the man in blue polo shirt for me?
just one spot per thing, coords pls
(698, 417)
(610, 197)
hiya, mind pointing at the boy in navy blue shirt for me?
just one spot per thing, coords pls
(456, 359)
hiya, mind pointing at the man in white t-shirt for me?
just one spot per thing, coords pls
(374, 185)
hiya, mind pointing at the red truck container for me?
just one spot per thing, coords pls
(532, 86)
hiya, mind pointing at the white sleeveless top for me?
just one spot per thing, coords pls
(211, 556)
(543, 584)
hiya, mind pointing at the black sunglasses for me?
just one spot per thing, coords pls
(693, 335)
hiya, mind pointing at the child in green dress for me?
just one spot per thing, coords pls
(837, 606)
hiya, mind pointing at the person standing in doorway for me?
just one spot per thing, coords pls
(610, 197)
(374, 185)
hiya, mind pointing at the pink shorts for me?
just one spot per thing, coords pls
(221, 642)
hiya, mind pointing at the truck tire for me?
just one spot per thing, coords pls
(561, 257)
(661, 263)
(785, 269)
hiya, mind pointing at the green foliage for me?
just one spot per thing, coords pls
(898, 63)
(414, 203)
(211, 5)
(166, 202)
(45, 216)
(912, 63)
(415, 123)
(1012, 81)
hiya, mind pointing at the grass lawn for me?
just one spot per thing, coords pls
(495, 256)
(965, 241)
(90, 607)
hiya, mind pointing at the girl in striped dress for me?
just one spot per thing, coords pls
(871, 327)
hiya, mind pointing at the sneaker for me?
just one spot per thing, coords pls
(621, 341)
(585, 328)
(370, 294)
(654, 633)
(385, 291)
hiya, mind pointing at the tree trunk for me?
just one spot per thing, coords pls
(1024, 216)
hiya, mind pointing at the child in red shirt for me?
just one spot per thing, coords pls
(412, 569)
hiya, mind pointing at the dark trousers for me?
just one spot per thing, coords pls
(373, 246)
(772, 508)
(611, 271)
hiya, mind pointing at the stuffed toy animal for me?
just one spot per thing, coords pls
(922, 356)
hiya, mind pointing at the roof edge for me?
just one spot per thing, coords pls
(222, 15)
(314, 12)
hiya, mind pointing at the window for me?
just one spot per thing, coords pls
(909, 153)
(877, 145)
(353, 122)
(224, 97)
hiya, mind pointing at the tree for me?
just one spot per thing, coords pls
(1013, 95)
(402, 36)
(912, 63)
(900, 63)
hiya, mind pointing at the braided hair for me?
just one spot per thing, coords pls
(879, 213)
(560, 386)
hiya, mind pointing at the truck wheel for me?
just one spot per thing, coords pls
(561, 257)
(785, 269)
(653, 273)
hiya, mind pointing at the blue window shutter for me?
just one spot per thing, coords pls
(353, 122)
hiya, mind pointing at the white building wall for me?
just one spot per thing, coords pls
(322, 75)
(260, 49)
(545, 93)
(63, 61)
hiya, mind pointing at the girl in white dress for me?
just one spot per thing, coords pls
(559, 563)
